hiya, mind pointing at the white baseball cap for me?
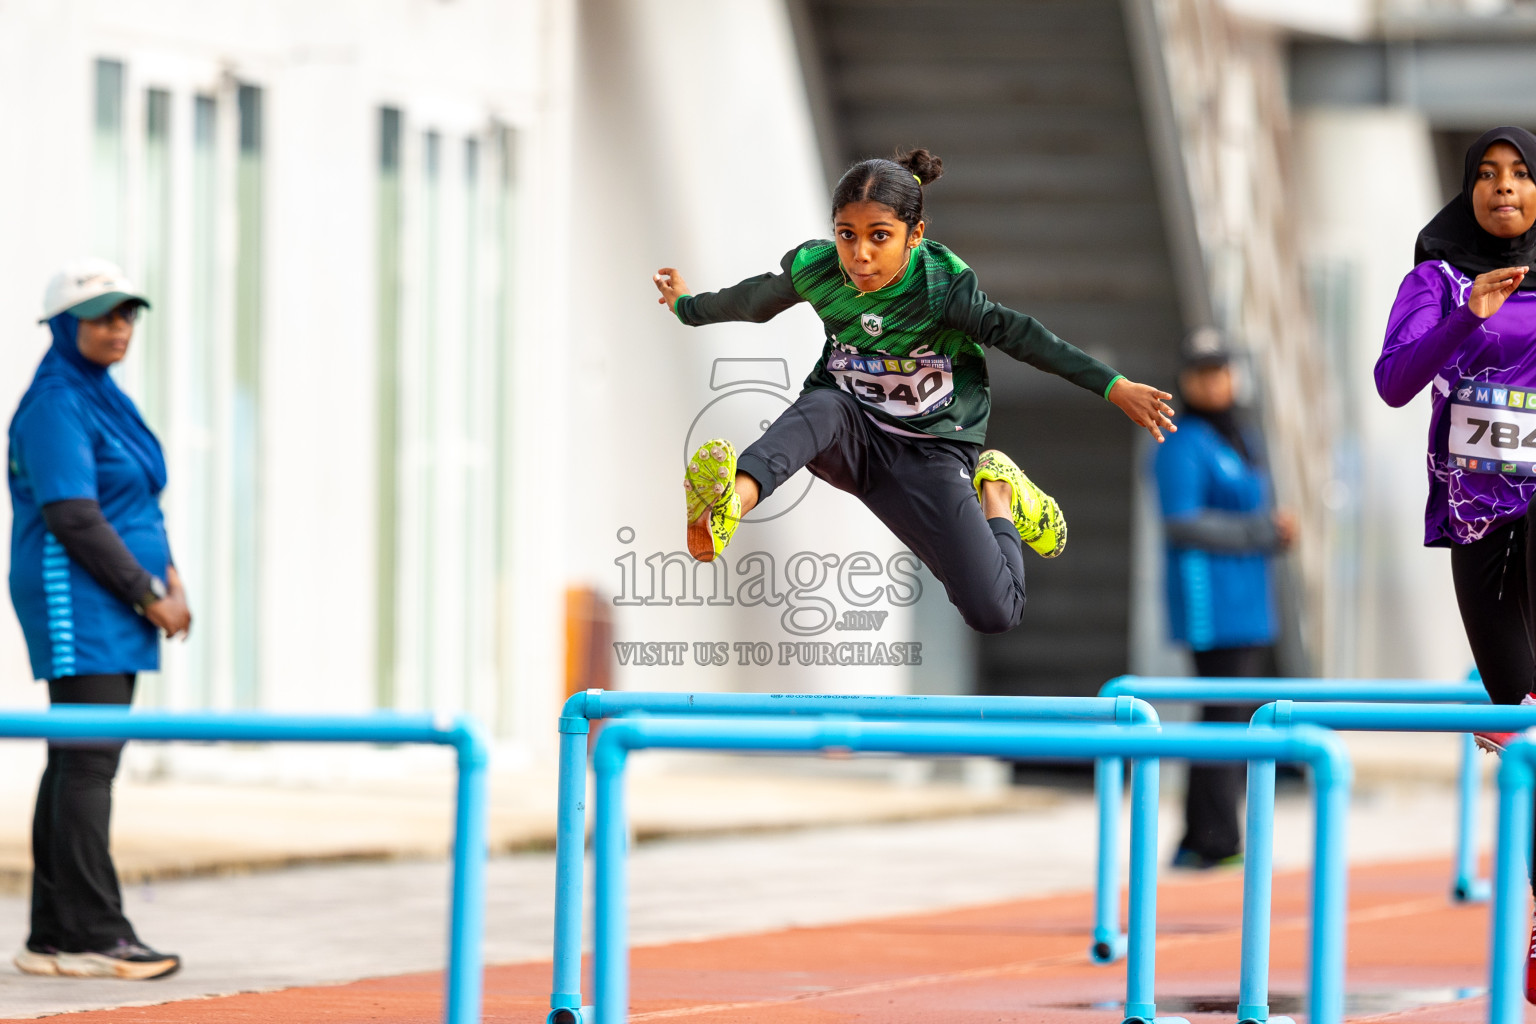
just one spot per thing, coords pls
(88, 288)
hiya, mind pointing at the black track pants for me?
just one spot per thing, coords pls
(1494, 578)
(1215, 792)
(76, 904)
(921, 489)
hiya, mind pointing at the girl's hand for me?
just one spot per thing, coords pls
(1145, 405)
(671, 285)
(1491, 289)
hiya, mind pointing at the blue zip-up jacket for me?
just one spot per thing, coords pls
(76, 435)
(1218, 519)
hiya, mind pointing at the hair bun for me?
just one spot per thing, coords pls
(922, 163)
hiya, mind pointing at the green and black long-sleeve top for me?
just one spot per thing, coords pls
(913, 352)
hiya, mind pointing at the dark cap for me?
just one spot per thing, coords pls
(1205, 349)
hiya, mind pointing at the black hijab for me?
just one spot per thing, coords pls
(1226, 422)
(1454, 234)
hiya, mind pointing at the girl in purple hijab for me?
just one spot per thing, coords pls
(1464, 324)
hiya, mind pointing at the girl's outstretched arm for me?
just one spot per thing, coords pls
(1026, 339)
(755, 300)
(1145, 405)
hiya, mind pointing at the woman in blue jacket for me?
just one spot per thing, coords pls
(94, 588)
(1222, 532)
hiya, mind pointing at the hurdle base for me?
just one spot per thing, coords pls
(1154, 1020)
(1107, 951)
(1478, 891)
(1248, 1015)
(571, 1015)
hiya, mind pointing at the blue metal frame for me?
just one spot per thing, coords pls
(1465, 886)
(1253, 992)
(466, 927)
(1318, 748)
(1507, 949)
(583, 708)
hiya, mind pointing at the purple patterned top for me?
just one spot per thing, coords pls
(1482, 436)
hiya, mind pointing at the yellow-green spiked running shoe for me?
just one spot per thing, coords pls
(1035, 514)
(709, 485)
(710, 476)
(711, 532)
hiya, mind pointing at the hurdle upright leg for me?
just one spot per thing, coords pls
(570, 849)
(1258, 879)
(1330, 877)
(1141, 919)
(1506, 959)
(610, 839)
(1108, 940)
(466, 924)
(1467, 887)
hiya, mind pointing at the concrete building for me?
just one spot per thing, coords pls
(405, 356)
(423, 414)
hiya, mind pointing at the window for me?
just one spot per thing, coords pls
(110, 169)
(388, 275)
(442, 330)
(198, 443)
(152, 336)
(178, 201)
(245, 610)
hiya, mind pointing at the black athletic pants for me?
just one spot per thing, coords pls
(1494, 579)
(921, 489)
(1211, 826)
(76, 904)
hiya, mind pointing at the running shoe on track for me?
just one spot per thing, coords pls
(131, 961)
(1530, 969)
(1495, 742)
(1194, 861)
(37, 960)
(1035, 514)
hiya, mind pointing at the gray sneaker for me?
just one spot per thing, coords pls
(131, 961)
(42, 960)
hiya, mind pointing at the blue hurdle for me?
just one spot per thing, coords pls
(583, 708)
(467, 910)
(1109, 945)
(1318, 748)
(1507, 954)
(1352, 717)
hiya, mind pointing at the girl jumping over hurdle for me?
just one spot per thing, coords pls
(895, 410)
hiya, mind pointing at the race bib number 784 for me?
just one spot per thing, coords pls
(897, 386)
(1492, 429)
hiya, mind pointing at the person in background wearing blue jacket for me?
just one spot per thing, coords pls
(1222, 532)
(94, 587)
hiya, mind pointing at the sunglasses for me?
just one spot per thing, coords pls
(128, 312)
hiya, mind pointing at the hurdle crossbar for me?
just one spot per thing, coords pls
(1318, 748)
(1353, 717)
(1465, 886)
(591, 705)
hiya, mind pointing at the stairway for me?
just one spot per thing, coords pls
(1048, 193)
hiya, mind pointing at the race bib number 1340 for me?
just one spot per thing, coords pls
(897, 386)
(1492, 429)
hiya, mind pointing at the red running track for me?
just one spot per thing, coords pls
(1412, 957)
